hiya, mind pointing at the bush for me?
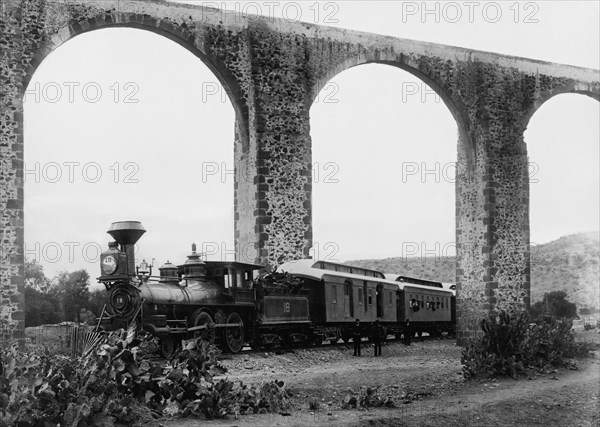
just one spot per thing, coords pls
(512, 346)
(118, 382)
(101, 389)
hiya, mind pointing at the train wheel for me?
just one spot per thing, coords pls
(234, 335)
(317, 340)
(202, 318)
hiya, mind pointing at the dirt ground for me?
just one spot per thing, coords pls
(424, 382)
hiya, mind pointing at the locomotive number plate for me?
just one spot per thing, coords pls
(285, 308)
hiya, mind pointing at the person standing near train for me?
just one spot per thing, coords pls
(377, 336)
(356, 337)
(408, 332)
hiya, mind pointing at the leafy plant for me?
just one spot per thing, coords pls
(511, 346)
(119, 382)
(101, 389)
(368, 397)
(282, 281)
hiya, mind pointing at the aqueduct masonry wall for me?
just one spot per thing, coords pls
(272, 70)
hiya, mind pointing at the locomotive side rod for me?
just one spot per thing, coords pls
(214, 325)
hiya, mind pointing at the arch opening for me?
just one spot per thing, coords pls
(139, 130)
(384, 164)
(564, 183)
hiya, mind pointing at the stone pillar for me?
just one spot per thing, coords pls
(12, 316)
(245, 209)
(273, 190)
(283, 192)
(492, 228)
(273, 221)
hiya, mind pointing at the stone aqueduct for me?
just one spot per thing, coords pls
(272, 70)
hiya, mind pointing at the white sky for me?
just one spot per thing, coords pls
(158, 124)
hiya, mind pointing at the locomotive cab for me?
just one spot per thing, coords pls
(235, 278)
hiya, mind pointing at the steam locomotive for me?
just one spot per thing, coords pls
(227, 302)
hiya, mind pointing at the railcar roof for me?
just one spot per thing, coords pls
(233, 264)
(304, 267)
(409, 279)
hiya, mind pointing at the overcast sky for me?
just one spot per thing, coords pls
(123, 124)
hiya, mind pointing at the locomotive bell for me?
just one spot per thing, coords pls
(127, 233)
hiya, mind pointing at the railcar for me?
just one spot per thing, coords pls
(429, 310)
(340, 293)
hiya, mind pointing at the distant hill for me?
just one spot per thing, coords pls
(570, 264)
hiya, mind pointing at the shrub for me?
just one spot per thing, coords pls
(119, 382)
(368, 397)
(511, 346)
(101, 389)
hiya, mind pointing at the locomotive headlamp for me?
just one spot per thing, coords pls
(109, 264)
(110, 261)
(144, 270)
(143, 267)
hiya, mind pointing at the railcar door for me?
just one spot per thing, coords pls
(348, 300)
(379, 299)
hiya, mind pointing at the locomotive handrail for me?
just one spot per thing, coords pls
(137, 312)
(100, 318)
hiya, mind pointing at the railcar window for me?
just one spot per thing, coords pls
(226, 278)
(370, 296)
(333, 294)
(360, 296)
(422, 302)
(391, 298)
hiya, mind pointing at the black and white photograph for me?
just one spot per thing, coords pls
(298, 213)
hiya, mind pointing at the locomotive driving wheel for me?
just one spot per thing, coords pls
(234, 335)
(202, 318)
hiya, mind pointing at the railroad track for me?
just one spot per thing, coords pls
(282, 350)
(324, 346)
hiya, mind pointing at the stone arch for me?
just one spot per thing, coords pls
(459, 112)
(164, 28)
(572, 87)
